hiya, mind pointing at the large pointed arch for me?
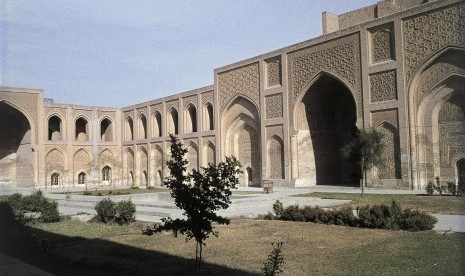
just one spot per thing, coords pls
(325, 120)
(438, 82)
(16, 146)
(240, 132)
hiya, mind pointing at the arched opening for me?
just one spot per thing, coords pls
(249, 175)
(241, 132)
(190, 119)
(390, 167)
(129, 129)
(208, 116)
(461, 171)
(54, 128)
(142, 127)
(129, 166)
(173, 122)
(55, 179)
(157, 124)
(159, 177)
(81, 129)
(192, 157)
(106, 175)
(437, 117)
(145, 178)
(106, 130)
(275, 164)
(82, 178)
(131, 178)
(326, 119)
(210, 154)
(16, 153)
(143, 166)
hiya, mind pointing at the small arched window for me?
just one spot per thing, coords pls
(55, 179)
(82, 178)
(106, 173)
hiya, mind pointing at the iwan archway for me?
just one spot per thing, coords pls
(325, 120)
(241, 132)
(16, 151)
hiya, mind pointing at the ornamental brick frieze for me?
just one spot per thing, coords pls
(426, 34)
(451, 138)
(244, 80)
(274, 106)
(383, 86)
(340, 57)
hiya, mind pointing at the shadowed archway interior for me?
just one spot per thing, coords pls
(16, 157)
(328, 117)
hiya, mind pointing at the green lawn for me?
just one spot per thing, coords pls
(77, 248)
(429, 204)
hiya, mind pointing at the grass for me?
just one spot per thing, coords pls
(429, 204)
(120, 191)
(242, 248)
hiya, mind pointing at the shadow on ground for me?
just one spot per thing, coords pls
(62, 255)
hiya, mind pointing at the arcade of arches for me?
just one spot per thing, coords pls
(395, 66)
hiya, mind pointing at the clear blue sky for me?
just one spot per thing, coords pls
(119, 53)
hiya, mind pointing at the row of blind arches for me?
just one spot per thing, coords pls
(172, 123)
(55, 178)
(81, 127)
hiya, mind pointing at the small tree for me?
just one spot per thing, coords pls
(365, 150)
(274, 264)
(200, 194)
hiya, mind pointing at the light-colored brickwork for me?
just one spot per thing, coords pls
(395, 66)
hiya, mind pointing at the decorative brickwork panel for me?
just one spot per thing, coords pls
(192, 156)
(453, 63)
(425, 34)
(390, 168)
(244, 80)
(390, 116)
(28, 103)
(109, 114)
(142, 110)
(81, 161)
(190, 99)
(208, 96)
(381, 45)
(170, 104)
(340, 57)
(451, 128)
(274, 106)
(273, 72)
(383, 86)
(275, 164)
(55, 161)
(276, 130)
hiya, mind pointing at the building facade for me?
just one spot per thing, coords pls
(397, 66)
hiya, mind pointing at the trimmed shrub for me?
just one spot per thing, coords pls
(106, 210)
(292, 213)
(126, 211)
(379, 216)
(50, 212)
(452, 188)
(278, 208)
(16, 202)
(414, 220)
(430, 188)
